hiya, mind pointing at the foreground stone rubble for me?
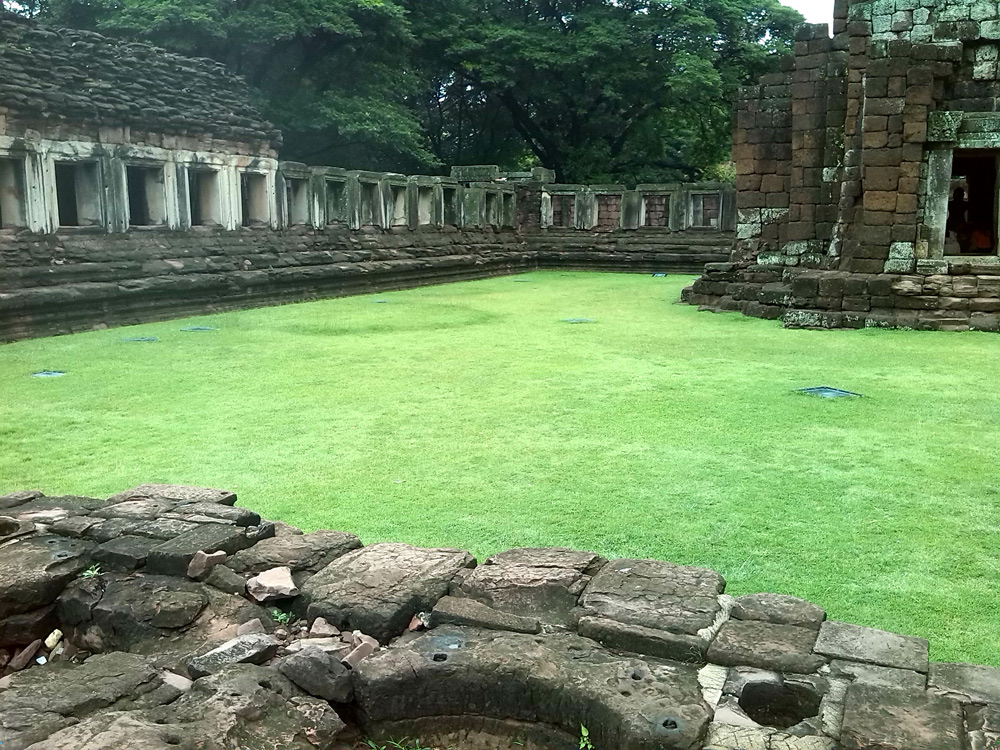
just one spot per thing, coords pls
(167, 617)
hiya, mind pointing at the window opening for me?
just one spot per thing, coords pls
(253, 199)
(78, 194)
(492, 209)
(204, 201)
(451, 206)
(705, 210)
(335, 205)
(398, 206)
(146, 198)
(971, 228)
(369, 191)
(297, 200)
(656, 211)
(562, 210)
(12, 201)
(508, 210)
(425, 206)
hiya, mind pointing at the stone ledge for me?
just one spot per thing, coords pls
(398, 640)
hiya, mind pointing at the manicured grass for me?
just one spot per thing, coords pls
(469, 415)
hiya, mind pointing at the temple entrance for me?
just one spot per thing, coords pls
(972, 204)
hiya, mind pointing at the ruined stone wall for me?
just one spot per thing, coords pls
(167, 616)
(877, 114)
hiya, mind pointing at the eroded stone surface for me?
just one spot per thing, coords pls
(318, 673)
(176, 493)
(253, 648)
(779, 609)
(174, 557)
(786, 648)
(655, 594)
(545, 582)
(640, 640)
(970, 683)
(555, 679)
(889, 719)
(378, 589)
(453, 610)
(300, 552)
(34, 570)
(841, 640)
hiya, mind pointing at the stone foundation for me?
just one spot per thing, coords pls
(166, 616)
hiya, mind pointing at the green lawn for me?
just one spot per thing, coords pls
(470, 415)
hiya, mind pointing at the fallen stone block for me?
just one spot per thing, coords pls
(245, 649)
(454, 610)
(318, 673)
(969, 683)
(34, 571)
(273, 584)
(306, 552)
(378, 589)
(889, 719)
(124, 553)
(202, 563)
(176, 493)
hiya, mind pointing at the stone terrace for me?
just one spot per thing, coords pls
(168, 617)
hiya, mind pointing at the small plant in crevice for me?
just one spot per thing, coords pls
(282, 618)
(403, 744)
(92, 572)
(585, 742)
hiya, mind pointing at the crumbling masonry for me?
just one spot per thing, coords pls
(867, 187)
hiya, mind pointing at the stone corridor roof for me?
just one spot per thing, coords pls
(56, 74)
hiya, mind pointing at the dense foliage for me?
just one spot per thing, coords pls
(599, 90)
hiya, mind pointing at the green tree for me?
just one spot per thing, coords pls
(332, 74)
(596, 89)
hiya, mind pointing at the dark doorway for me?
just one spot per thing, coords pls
(972, 204)
(66, 195)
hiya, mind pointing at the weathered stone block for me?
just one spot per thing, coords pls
(841, 640)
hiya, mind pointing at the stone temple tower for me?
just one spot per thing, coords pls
(867, 174)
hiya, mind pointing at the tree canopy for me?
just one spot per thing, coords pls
(598, 90)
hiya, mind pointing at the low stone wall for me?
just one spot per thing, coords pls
(63, 283)
(640, 251)
(167, 617)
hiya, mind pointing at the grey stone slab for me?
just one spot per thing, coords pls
(972, 683)
(655, 594)
(300, 552)
(880, 718)
(174, 556)
(453, 610)
(14, 499)
(226, 513)
(779, 609)
(253, 648)
(544, 582)
(318, 673)
(841, 640)
(34, 570)
(22, 629)
(765, 645)
(559, 681)
(177, 493)
(378, 589)
(135, 509)
(48, 510)
(73, 526)
(873, 674)
(681, 647)
(125, 553)
(157, 528)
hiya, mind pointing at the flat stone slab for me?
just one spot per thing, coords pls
(690, 649)
(253, 648)
(125, 553)
(145, 509)
(378, 589)
(100, 530)
(779, 609)
(879, 718)
(305, 552)
(319, 674)
(544, 582)
(560, 680)
(873, 674)
(14, 499)
(174, 556)
(749, 643)
(222, 513)
(176, 493)
(454, 610)
(841, 640)
(970, 683)
(35, 570)
(48, 510)
(655, 594)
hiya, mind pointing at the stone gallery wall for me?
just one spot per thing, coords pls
(138, 185)
(845, 163)
(167, 617)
